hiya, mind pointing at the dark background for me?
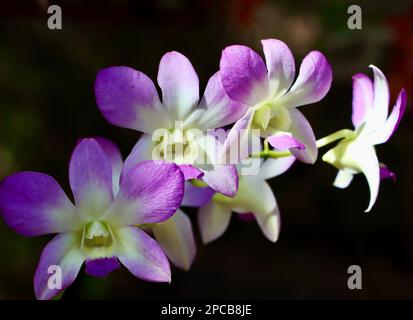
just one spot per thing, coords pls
(47, 103)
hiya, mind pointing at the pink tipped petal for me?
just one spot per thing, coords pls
(142, 255)
(362, 98)
(149, 193)
(90, 176)
(34, 204)
(313, 82)
(142, 151)
(385, 173)
(179, 83)
(244, 75)
(274, 167)
(220, 110)
(223, 179)
(113, 153)
(176, 238)
(100, 268)
(61, 260)
(284, 142)
(382, 134)
(301, 130)
(196, 196)
(237, 145)
(381, 101)
(190, 172)
(128, 98)
(213, 220)
(280, 65)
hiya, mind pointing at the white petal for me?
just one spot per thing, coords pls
(343, 179)
(213, 220)
(176, 238)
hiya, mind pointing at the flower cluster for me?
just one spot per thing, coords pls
(129, 212)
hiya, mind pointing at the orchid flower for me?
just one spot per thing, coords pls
(103, 228)
(356, 153)
(273, 96)
(254, 197)
(128, 98)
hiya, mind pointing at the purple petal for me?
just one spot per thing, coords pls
(60, 254)
(128, 98)
(284, 142)
(113, 153)
(383, 133)
(362, 98)
(244, 75)
(301, 129)
(190, 172)
(90, 176)
(220, 110)
(280, 65)
(385, 173)
(223, 179)
(33, 204)
(179, 83)
(313, 82)
(142, 255)
(237, 145)
(149, 193)
(100, 268)
(196, 196)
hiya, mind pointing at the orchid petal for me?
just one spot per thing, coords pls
(101, 267)
(142, 151)
(62, 252)
(190, 172)
(34, 204)
(244, 75)
(150, 192)
(128, 98)
(223, 179)
(196, 196)
(343, 179)
(274, 167)
(179, 83)
(113, 153)
(386, 173)
(301, 130)
(280, 65)
(362, 98)
(90, 176)
(382, 134)
(284, 142)
(213, 220)
(313, 82)
(176, 238)
(237, 145)
(142, 255)
(381, 99)
(218, 109)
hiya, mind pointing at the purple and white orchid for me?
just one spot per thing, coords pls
(102, 228)
(254, 197)
(129, 99)
(272, 95)
(372, 126)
